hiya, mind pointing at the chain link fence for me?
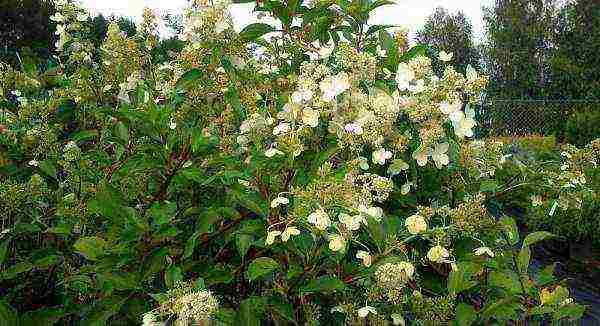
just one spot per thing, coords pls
(523, 117)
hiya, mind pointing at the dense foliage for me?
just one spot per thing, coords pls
(310, 169)
(543, 48)
(583, 126)
(25, 24)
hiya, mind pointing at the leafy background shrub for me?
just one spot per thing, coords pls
(583, 126)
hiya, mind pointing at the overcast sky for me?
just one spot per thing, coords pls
(407, 13)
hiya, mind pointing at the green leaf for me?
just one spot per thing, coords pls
(121, 281)
(3, 251)
(572, 311)
(224, 317)
(507, 280)
(523, 259)
(417, 50)
(122, 132)
(510, 229)
(536, 237)
(375, 28)
(16, 269)
(251, 201)
(465, 314)
(84, 135)
(191, 243)
(42, 317)
(232, 97)
(90, 247)
(243, 243)
(283, 308)
(48, 167)
(546, 275)
(250, 312)
(261, 267)
(501, 310)
(46, 262)
(173, 274)
(460, 278)
(488, 186)
(379, 3)
(8, 315)
(254, 31)
(323, 284)
(188, 79)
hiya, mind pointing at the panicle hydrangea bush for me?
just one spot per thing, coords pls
(309, 169)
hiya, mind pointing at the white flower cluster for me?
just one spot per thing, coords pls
(68, 18)
(205, 19)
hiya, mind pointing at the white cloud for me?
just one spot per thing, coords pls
(407, 13)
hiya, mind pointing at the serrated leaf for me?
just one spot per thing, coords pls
(572, 311)
(261, 267)
(190, 245)
(283, 308)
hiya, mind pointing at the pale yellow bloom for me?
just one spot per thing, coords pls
(422, 156)
(416, 224)
(365, 257)
(288, 232)
(310, 117)
(381, 155)
(446, 56)
(438, 254)
(320, 219)
(398, 320)
(352, 223)
(364, 311)
(404, 75)
(334, 86)
(279, 200)
(271, 237)
(272, 152)
(336, 242)
(484, 251)
(440, 155)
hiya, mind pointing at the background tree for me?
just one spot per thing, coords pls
(100, 27)
(519, 46)
(25, 23)
(448, 32)
(575, 63)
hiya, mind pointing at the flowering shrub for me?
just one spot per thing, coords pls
(312, 170)
(557, 192)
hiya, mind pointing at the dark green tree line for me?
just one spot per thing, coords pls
(444, 31)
